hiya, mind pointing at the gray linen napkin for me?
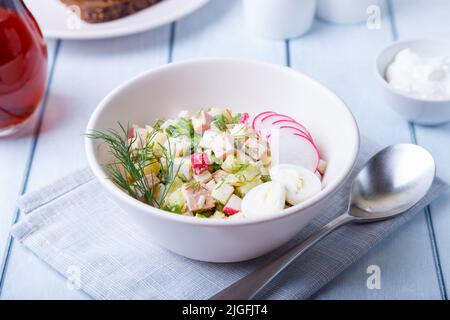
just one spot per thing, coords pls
(74, 227)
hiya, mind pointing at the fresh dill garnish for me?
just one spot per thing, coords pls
(265, 178)
(171, 171)
(128, 168)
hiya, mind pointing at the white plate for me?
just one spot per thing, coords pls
(58, 21)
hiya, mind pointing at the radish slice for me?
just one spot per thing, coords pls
(267, 132)
(297, 131)
(276, 121)
(316, 151)
(291, 122)
(281, 119)
(293, 148)
(257, 119)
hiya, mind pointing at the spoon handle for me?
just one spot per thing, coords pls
(250, 285)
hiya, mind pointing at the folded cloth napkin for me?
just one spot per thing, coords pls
(78, 230)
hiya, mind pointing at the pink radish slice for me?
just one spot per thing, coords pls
(293, 148)
(271, 121)
(292, 122)
(291, 129)
(279, 119)
(316, 151)
(257, 119)
(297, 131)
(303, 152)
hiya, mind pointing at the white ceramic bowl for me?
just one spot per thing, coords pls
(243, 86)
(420, 111)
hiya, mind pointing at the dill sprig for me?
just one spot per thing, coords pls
(128, 168)
(168, 176)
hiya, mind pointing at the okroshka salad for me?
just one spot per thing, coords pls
(216, 164)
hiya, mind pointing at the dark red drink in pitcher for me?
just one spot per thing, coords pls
(23, 65)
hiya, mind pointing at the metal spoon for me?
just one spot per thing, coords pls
(390, 183)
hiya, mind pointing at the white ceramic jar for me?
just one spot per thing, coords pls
(344, 11)
(280, 19)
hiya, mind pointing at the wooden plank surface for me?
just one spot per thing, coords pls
(342, 57)
(218, 30)
(430, 19)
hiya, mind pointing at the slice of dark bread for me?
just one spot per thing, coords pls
(96, 11)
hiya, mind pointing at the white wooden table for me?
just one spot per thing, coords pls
(415, 262)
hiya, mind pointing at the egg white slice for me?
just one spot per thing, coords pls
(266, 198)
(300, 183)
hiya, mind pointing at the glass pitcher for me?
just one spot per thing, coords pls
(23, 66)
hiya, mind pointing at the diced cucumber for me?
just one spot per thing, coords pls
(217, 112)
(157, 142)
(249, 173)
(232, 164)
(152, 168)
(180, 145)
(222, 192)
(203, 177)
(243, 190)
(175, 198)
(183, 165)
(235, 180)
(218, 215)
(176, 185)
(173, 208)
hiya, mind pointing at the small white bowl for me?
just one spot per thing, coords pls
(420, 111)
(244, 86)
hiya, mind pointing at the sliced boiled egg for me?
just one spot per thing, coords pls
(300, 183)
(264, 199)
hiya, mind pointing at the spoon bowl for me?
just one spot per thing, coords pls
(393, 181)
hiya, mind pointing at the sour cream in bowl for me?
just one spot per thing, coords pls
(419, 75)
(415, 79)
